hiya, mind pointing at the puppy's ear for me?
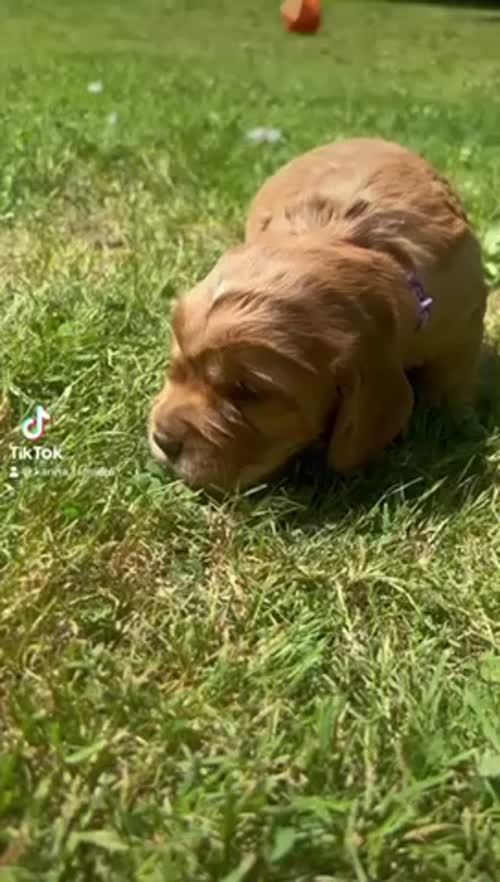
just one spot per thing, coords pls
(375, 404)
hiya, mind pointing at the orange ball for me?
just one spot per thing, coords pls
(302, 16)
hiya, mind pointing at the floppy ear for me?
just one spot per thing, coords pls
(376, 401)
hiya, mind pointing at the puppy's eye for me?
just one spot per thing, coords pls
(242, 392)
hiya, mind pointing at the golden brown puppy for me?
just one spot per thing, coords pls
(358, 265)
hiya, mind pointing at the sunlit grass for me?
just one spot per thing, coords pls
(300, 683)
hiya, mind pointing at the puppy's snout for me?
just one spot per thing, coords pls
(170, 446)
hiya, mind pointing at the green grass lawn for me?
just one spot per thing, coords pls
(299, 684)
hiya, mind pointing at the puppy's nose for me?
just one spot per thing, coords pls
(171, 446)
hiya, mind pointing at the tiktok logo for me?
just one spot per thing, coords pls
(33, 427)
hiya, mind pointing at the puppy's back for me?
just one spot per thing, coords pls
(369, 191)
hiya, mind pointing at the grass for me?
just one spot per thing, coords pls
(302, 683)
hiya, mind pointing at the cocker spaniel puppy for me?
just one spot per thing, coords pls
(358, 265)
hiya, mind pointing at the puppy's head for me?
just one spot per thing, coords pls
(261, 354)
(244, 390)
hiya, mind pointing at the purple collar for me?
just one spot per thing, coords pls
(424, 301)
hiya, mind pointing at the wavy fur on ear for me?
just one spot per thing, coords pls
(375, 404)
(341, 312)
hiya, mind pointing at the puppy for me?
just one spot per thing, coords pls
(358, 266)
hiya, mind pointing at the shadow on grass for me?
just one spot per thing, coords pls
(443, 464)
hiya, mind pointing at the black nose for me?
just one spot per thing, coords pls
(171, 446)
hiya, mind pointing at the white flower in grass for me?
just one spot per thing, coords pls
(95, 87)
(262, 134)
